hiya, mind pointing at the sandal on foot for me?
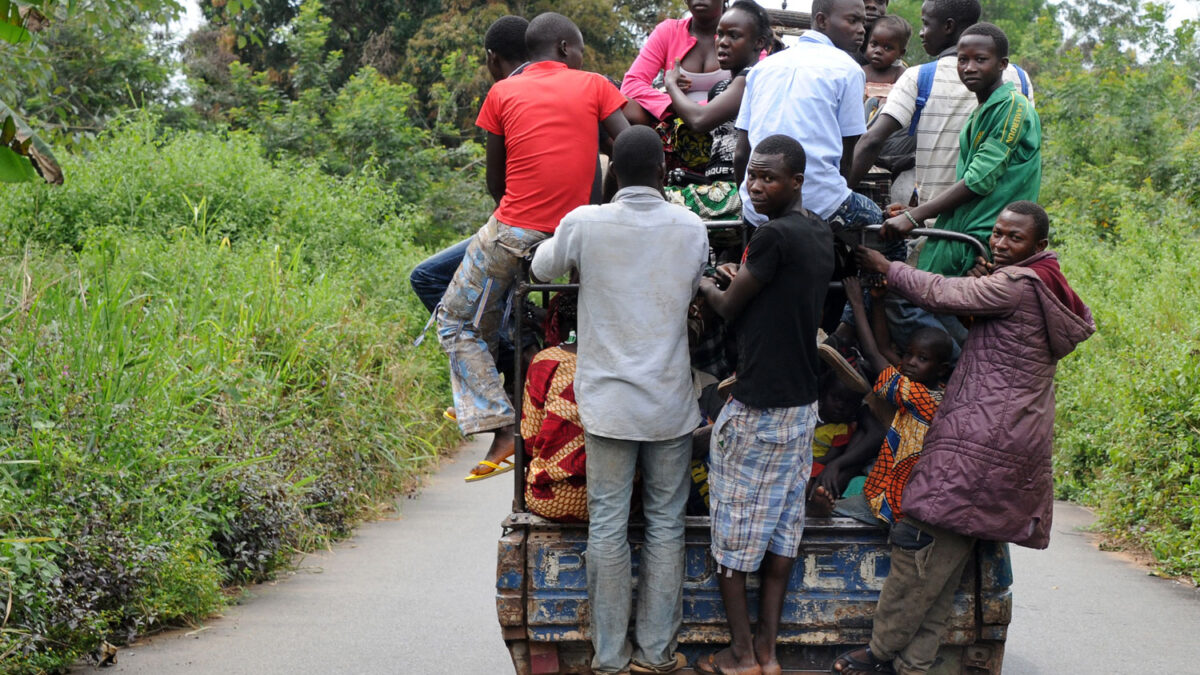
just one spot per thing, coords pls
(504, 466)
(708, 666)
(851, 664)
(678, 663)
(450, 414)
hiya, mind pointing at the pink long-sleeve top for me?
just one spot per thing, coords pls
(670, 40)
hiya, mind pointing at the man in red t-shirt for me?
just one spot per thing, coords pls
(541, 159)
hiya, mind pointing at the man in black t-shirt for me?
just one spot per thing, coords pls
(761, 452)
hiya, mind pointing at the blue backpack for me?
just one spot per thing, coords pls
(925, 86)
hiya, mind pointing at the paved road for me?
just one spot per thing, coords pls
(414, 595)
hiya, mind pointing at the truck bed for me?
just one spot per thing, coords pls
(541, 597)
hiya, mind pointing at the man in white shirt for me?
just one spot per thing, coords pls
(812, 92)
(640, 260)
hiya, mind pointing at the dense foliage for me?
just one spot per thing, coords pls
(205, 334)
(206, 366)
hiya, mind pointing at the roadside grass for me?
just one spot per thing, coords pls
(1128, 432)
(197, 382)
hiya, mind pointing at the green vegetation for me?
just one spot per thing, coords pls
(205, 334)
(207, 366)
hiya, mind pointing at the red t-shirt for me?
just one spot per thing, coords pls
(548, 116)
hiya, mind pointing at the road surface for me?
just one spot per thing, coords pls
(414, 594)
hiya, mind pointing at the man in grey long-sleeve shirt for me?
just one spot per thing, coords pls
(639, 260)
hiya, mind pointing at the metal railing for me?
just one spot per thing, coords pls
(524, 288)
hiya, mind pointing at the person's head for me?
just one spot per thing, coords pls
(562, 317)
(706, 12)
(1021, 230)
(554, 37)
(836, 401)
(775, 175)
(504, 44)
(841, 21)
(638, 159)
(876, 9)
(943, 21)
(982, 58)
(888, 41)
(742, 34)
(927, 357)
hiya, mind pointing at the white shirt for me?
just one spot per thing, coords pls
(812, 92)
(942, 119)
(639, 260)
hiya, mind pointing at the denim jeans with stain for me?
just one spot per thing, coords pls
(611, 464)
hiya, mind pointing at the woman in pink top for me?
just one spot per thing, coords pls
(693, 42)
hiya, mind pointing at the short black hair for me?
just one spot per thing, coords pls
(964, 12)
(762, 20)
(938, 341)
(637, 153)
(790, 148)
(902, 27)
(1041, 219)
(547, 30)
(506, 38)
(993, 31)
(822, 7)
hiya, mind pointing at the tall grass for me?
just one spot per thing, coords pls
(195, 383)
(1128, 437)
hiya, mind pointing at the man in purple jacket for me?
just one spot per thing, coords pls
(985, 472)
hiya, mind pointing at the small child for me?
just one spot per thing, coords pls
(915, 389)
(886, 44)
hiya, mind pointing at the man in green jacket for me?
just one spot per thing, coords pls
(999, 160)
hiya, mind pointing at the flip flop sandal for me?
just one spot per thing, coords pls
(504, 466)
(853, 665)
(708, 666)
(450, 414)
(677, 664)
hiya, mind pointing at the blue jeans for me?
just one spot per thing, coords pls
(905, 318)
(430, 278)
(611, 464)
(469, 323)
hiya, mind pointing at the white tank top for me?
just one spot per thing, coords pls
(702, 82)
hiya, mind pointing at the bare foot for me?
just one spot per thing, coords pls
(765, 655)
(725, 662)
(821, 503)
(501, 449)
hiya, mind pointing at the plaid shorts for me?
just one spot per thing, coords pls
(759, 463)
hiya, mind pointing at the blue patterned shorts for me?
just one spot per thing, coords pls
(759, 463)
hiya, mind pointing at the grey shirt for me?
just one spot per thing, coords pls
(640, 260)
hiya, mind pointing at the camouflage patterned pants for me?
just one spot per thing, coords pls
(468, 323)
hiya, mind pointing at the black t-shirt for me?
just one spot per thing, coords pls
(777, 331)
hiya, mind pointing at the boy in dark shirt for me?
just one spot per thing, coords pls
(761, 452)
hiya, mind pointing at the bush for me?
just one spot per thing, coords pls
(207, 365)
(1129, 399)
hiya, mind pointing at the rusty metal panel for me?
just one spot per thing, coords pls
(840, 569)
(510, 579)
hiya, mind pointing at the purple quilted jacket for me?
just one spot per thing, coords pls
(985, 470)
